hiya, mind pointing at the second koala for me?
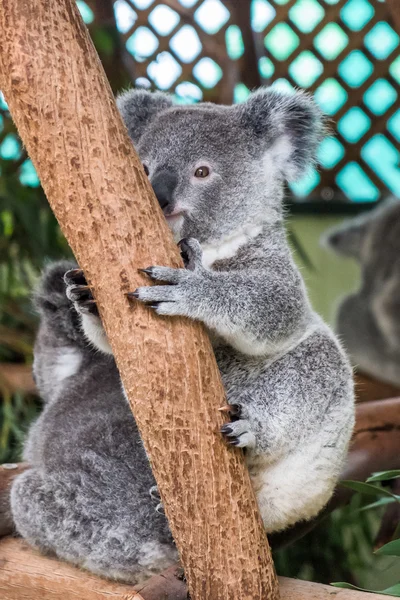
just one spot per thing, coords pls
(219, 174)
(368, 319)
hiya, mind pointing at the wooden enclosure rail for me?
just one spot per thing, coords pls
(25, 574)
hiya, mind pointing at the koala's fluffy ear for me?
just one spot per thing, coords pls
(346, 239)
(290, 125)
(139, 107)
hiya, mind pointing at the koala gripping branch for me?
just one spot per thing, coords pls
(65, 113)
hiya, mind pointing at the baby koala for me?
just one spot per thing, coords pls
(368, 320)
(219, 174)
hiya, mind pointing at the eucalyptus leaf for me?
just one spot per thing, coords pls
(390, 549)
(394, 590)
(368, 489)
(384, 476)
(381, 502)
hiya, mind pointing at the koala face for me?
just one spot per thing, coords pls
(217, 169)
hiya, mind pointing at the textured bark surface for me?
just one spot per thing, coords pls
(24, 574)
(65, 113)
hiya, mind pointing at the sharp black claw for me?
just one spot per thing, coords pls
(147, 271)
(160, 509)
(235, 410)
(89, 306)
(154, 493)
(234, 441)
(154, 305)
(75, 276)
(226, 430)
(134, 294)
(82, 290)
(74, 272)
(185, 251)
(180, 574)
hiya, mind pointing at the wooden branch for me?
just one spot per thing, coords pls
(241, 14)
(294, 589)
(17, 377)
(25, 574)
(8, 472)
(375, 445)
(368, 388)
(394, 8)
(65, 113)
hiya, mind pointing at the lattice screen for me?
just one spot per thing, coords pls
(346, 51)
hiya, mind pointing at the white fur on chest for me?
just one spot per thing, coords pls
(67, 364)
(228, 247)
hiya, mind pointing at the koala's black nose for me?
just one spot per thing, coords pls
(164, 184)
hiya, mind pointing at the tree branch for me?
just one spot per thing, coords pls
(66, 116)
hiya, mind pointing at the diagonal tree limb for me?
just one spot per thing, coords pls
(66, 115)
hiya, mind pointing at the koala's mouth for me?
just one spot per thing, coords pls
(175, 216)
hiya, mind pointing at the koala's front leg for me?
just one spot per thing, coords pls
(187, 289)
(253, 310)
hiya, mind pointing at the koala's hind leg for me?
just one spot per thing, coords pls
(48, 514)
(80, 294)
(67, 326)
(60, 346)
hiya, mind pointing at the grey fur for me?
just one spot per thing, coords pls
(284, 372)
(368, 320)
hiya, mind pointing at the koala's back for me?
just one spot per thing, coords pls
(83, 415)
(88, 488)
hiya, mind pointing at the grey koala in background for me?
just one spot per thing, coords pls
(368, 320)
(219, 174)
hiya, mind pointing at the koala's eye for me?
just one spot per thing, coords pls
(202, 172)
(146, 169)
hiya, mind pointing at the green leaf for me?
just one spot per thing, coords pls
(394, 590)
(384, 475)
(301, 251)
(368, 489)
(381, 502)
(390, 549)
(391, 591)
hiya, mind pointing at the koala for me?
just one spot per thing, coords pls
(219, 174)
(368, 320)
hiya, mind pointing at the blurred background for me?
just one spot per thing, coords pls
(346, 52)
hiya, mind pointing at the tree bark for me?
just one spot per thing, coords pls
(66, 115)
(8, 472)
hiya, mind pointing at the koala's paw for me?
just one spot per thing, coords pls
(78, 291)
(49, 295)
(179, 296)
(155, 496)
(239, 431)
